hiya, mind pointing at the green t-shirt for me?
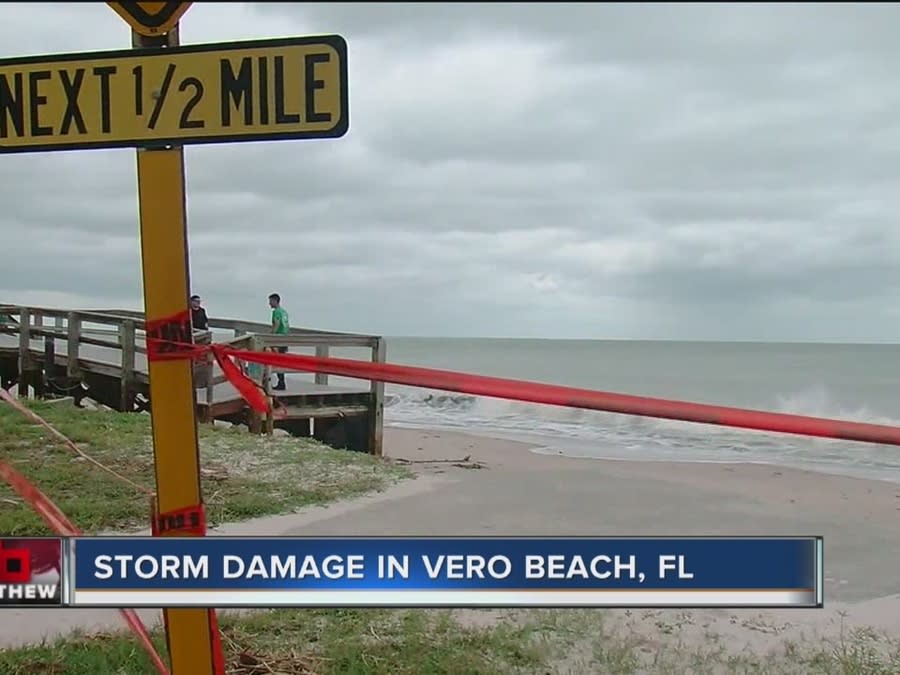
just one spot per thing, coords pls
(280, 321)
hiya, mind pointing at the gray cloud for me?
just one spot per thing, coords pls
(722, 171)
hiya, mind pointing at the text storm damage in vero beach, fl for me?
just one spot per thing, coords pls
(447, 571)
(240, 91)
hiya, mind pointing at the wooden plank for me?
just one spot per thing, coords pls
(83, 339)
(255, 424)
(293, 412)
(267, 388)
(126, 339)
(37, 379)
(325, 411)
(86, 339)
(210, 386)
(99, 367)
(24, 331)
(241, 327)
(24, 351)
(376, 416)
(108, 319)
(224, 408)
(313, 340)
(127, 313)
(322, 353)
(223, 392)
(49, 363)
(74, 339)
(59, 327)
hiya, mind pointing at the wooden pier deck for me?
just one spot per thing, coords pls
(109, 365)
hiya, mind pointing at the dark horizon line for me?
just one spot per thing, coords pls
(680, 340)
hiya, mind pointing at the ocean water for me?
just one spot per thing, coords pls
(855, 382)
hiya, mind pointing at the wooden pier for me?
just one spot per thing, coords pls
(101, 355)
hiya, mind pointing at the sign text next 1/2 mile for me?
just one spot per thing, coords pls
(242, 91)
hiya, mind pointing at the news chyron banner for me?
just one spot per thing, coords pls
(31, 571)
(446, 572)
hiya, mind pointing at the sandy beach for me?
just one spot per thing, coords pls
(522, 492)
(468, 485)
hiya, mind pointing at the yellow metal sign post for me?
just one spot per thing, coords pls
(158, 97)
(166, 273)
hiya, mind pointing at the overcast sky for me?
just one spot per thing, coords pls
(695, 172)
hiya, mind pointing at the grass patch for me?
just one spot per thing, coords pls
(242, 476)
(438, 642)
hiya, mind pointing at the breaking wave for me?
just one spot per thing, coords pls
(587, 433)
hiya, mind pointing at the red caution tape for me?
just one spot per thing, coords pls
(246, 387)
(58, 522)
(216, 638)
(30, 414)
(172, 338)
(537, 392)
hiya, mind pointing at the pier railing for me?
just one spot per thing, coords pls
(112, 343)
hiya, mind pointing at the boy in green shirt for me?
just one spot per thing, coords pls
(280, 326)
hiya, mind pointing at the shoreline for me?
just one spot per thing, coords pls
(544, 445)
(735, 478)
(507, 452)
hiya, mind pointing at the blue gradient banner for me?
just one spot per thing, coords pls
(230, 569)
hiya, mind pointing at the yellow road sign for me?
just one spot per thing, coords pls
(151, 18)
(261, 90)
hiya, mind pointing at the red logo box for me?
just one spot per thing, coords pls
(15, 566)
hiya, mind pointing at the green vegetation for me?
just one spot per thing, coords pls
(434, 642)
(243, 476)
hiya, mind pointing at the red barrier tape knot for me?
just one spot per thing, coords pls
(172, 339)
(189, 520)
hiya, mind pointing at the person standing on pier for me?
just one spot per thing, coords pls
(199, 319)
(280, 326)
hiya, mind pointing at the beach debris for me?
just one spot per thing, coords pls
(403, 460)
(244, 662)
(464, 463)
(61, 399)
(469, 465)
(214, 473)
(250, 664)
